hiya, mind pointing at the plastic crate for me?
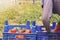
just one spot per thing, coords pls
(44, 36)
(41, 36)
(36, 31)
(12, 36)
(27, 25)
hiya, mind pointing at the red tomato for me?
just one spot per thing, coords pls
(13, 30)
(10, 31)
(20, 36)
(27, 31)
(21, 31)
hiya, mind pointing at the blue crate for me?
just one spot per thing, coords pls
(41, 36)
(7, 36)
(31, 36)
(44, 36)
(7, 27)
(27, 25)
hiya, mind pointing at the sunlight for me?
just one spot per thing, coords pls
(6, 3)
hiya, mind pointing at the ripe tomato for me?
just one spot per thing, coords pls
(13, 30)
(20, 36)
(21, 31)
(10, 31)
(27, 31)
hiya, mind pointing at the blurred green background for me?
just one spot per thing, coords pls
(21, 11)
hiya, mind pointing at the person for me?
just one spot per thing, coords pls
(50, 7)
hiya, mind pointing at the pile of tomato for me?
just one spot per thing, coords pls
(20, 31)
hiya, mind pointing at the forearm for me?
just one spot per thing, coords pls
(47, 12)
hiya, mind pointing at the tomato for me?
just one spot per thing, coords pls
(21, 31)
(13, 30)
(10, 31)
(20, 36)
(27, 31)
